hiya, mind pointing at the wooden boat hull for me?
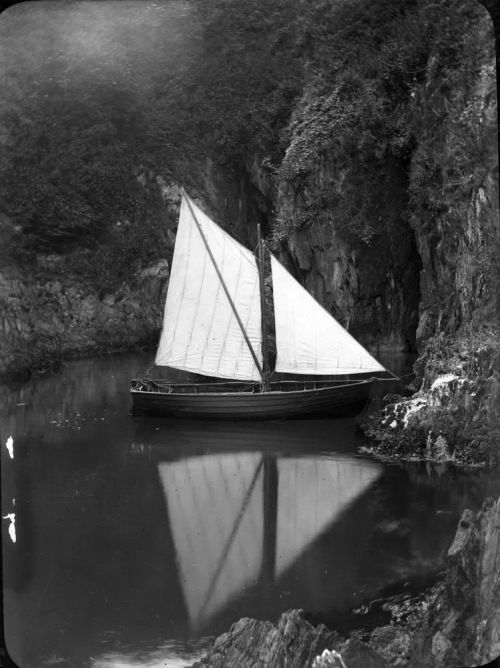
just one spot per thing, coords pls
(337, 399)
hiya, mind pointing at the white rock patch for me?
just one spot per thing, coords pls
(413, 406)
(443, 380)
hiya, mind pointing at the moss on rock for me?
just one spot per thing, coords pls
(455, 415)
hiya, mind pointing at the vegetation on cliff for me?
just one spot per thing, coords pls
(108, 97)
(75, 169)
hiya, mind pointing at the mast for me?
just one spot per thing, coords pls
(265, 356)
(221, 279)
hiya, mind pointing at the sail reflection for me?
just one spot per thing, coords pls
(242, 519)
(215, 507)
(312, 493)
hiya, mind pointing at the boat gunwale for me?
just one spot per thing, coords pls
(345, 384)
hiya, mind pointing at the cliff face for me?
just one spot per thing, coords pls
(387, 195)
(459, 281)
(371, 288)
(463, 625)
(44, 321)
(459, 237)
(50, 314)
(455, 414)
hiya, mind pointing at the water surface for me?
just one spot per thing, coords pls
(137, 540)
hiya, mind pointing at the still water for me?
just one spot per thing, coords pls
(134, 541)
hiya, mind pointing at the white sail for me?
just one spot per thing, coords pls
(200, 331)
(308, 338)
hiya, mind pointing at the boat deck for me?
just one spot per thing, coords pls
(148, 385)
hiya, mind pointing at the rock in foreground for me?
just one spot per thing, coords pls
(292, 643)
(463, 626)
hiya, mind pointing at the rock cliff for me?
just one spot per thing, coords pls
(463, 623)
(396, 232)
(371, 288)
(46, 320)
(293, 643)
(455, 413)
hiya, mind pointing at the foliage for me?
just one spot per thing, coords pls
(68, 171)
(237, 91)
(99, 96)
(125, 249)
(107, 96)
(455, 117)
(401, 104)
(75, 132)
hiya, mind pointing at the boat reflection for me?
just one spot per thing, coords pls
(246, 501)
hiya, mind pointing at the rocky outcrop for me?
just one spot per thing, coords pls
(463, 626)
(457, 623)
(458, 240)
(45, 321)
(397, 235)
(372, 287)
(455, 416)
(292, 643)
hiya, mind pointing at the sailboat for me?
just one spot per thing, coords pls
(215, 325)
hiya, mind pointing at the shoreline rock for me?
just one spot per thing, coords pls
(454, 416)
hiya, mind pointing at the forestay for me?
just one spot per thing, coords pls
(200, 331)
(308, 338)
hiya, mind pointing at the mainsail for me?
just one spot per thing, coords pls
(201, 333)
(308, 338)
